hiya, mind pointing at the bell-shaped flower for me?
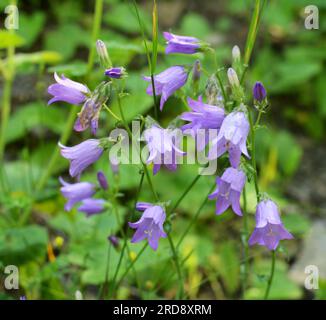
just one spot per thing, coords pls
(232, 137)
(116, 72)
(150, 226)
(181, 44)
(167, 82)
(269, 227)
(76, 192)
(92, 206)
(228, 191)
(202, 117)
(163, 146)
(67, 90)
(82, 155)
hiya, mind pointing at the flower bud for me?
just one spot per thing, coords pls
(236, 55)
(101, 178)
(116, 73)
(233, 78)
(259, 91)
(196, 71)
(213, 92)
(114, 241)
(103, 54)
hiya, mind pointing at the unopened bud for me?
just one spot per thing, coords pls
(236, 55)
(213, 92)
(103, 182)
(196, 71)
(103, 54)
(233, 78)
(259, 91)
(116, 73)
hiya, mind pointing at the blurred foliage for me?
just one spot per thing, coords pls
(55, 36)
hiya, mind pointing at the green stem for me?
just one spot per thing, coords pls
(245, 243)
(130, 266)
(253, 28)
(95, 33)
(151, 61)
(270, 279)
(253, 154)
(185, 193)
(195, 217)
(225, 98)
(177, 264)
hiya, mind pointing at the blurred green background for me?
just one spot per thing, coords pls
(59, 252)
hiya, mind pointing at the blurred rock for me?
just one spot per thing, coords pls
(308, 186)
(313, 253)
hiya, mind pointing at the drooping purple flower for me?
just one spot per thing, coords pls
(181, 44)
(82, 155)
(150, 226)
(89, 115)
(92, 206)
(167, 82)
(76, 192)
(269, 227)
(115, 73)
(259, 91)
(67, 90)
(203, 116)
(232, 137)
(228, 191)
(163, 146)
(102, 180)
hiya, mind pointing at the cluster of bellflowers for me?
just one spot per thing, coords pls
(205, 113)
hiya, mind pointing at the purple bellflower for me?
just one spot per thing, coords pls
(203, 116)
(163, 146)
(232, 137)
(149, 226)
(89, 115)
(259, 91)
(269, 227)
(76, 192)
(67, 90)
(115, 73)
(167, 82)
(181, 44)
(228, 191)
(92, 206)
(82, 155)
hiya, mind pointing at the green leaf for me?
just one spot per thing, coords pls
(66, 39)
(18, 245)
(195, 25)
(30, 26)
(229, 265)
(75, 69)
(8, 39)
(33, 116)
(42, 57)
(282, 287)
(296, 223)
(124, 12)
